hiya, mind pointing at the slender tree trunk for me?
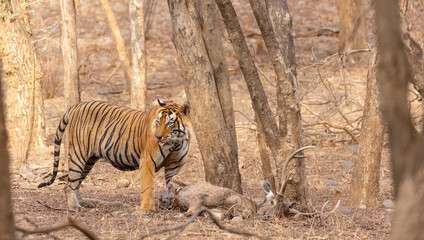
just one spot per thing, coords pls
(25, 119)
(365, 187)
(215, 50)
(288, 106)
(269, 171)
(414, 52)
(406, 150)
(138, 55)
(7, 229)
(353, 34)
(120, 43)
(70, 52)
(250, 73)
(71, 84)
(219, 158)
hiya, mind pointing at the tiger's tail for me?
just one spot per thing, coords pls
(57, 142)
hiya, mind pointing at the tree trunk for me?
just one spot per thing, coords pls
(71, 84)
(220, 160)
(364, 188)
(269, 171)
(7, 229)
(70, 52)
(353, 34)
(414, 52)
(250, 73)
(120, 44)
(288, 107)
(215, 50)
(406, 150)
(25, 117)
(138, 55)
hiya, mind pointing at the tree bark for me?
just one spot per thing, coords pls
(364, 188)
(71, 83)
(25, 116)
(406, 150)
(266, 164)
(220, 160)
(120, 44)
(138, 55)
(215, 50)
(250, 73)
(288, 109)
(353, 34)
(414, 52)
(70, 52)
(7, 225)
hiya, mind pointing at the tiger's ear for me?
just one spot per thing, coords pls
(185, 108)
(161, 103)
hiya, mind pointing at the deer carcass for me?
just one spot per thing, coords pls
(227, 203)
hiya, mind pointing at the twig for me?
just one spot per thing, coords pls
(340, 55)
(330, 212)
(245, 116)
(199, 211)
(52, 208)
(69, 222)
(35, 225)
(323, 121)
(317, 33)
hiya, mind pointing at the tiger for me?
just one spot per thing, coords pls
(126, 138)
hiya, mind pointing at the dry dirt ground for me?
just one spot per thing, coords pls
(329, 93)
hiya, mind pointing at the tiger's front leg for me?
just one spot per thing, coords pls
(147, 184)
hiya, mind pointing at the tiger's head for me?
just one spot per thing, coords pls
(170, 127)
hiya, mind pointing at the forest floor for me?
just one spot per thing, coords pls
(331, 90)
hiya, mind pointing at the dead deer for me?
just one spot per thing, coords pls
(227, 203)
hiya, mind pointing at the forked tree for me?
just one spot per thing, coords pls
(199, 50)
(393, 74)
(275, 24)
(214, 135)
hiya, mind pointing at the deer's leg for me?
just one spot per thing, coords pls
(195, 203)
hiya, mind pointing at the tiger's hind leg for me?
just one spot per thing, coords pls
(78, 170)
(87, 202)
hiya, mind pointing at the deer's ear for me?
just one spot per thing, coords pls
(185, 108)
(266, 186)
(161, 103)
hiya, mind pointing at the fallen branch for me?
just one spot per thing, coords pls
(52, 208)
(35, 225)
(199, 211)
(67, 223)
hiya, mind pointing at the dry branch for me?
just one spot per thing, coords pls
(199, 211)
(323, 121)
(67, 223)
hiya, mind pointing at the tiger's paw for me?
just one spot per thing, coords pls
(147, 207)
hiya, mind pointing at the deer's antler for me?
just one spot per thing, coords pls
(284, 180)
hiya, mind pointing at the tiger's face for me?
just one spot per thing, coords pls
(169, 127)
